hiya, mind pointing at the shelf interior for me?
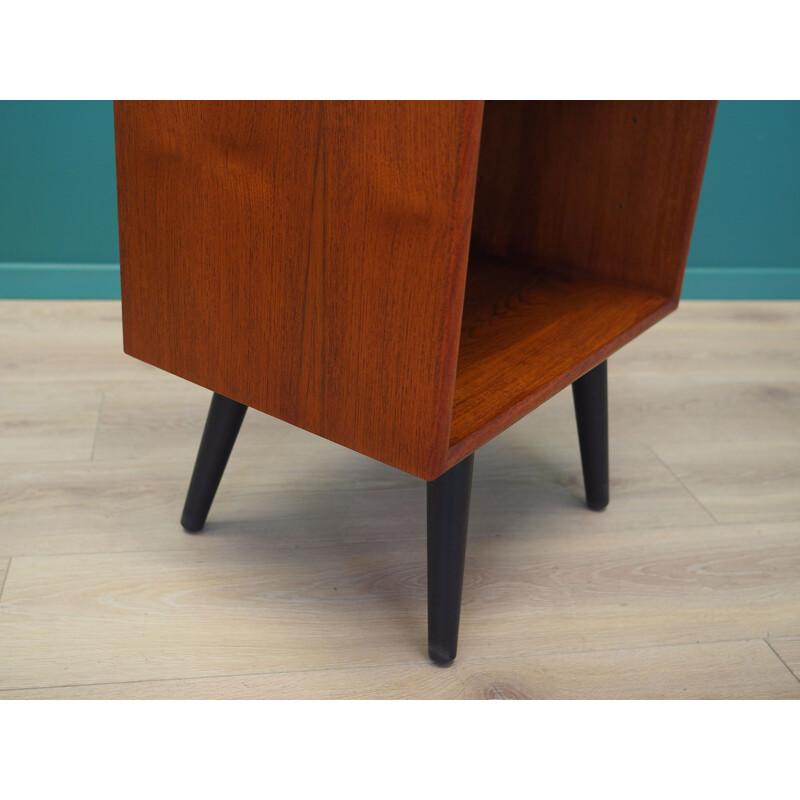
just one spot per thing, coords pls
(529, 332)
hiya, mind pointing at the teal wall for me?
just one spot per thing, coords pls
(746, 241)
(58, 227)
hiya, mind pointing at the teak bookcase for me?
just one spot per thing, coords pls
(406, 279)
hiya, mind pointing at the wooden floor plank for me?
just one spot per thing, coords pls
(47, 422)
(416, 682)
(740, 481)
(322, 492)
(785, 395)
(68, 341)
(757, 339)
(270, 607)
(713, 671)
(310, 577)
(787, 648)
(702, 408)
(723, 670)
(4, 562)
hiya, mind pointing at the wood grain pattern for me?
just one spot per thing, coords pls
(47, 422)
(285, 484)
(262, 607)
(739, 481)
(64, 341)
(318, 492)
(715, 671)
(315, 555)
(788, 650)
(719, 670)
(604, 188)
(757, 340)
(666, 407)
(526, 335)
(304, 258)
(602, 194)
(417, 682)
(309, 259)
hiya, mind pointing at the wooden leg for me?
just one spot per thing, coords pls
(448, 515)
(222, 426)
(590, 394)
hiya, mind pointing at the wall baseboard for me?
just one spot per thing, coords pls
(59, 281)
(741, 283)
(101, 282)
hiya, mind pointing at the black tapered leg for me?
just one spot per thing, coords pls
(590, 394)
(448, 516)
(222, 426)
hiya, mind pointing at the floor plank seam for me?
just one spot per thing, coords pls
(75, 503)
(494, 686)
(208, 677)
(777, 655)
(474, 660)
(5, 577)
(97, 424)
(631, 648)
(688, 490)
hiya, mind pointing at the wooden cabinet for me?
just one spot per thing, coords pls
(406, 279)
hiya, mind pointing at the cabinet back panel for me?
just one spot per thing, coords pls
(603, 188)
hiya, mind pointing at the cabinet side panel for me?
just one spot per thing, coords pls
(304, 258)
(608, 188)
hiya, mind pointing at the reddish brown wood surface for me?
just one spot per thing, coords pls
(590, 206)
(309, 259)
(527, 334)
(304, 258)
(606, 188)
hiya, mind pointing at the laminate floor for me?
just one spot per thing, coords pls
(309, 581)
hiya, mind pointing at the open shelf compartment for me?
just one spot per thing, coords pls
(581, 227)
(527, 334)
